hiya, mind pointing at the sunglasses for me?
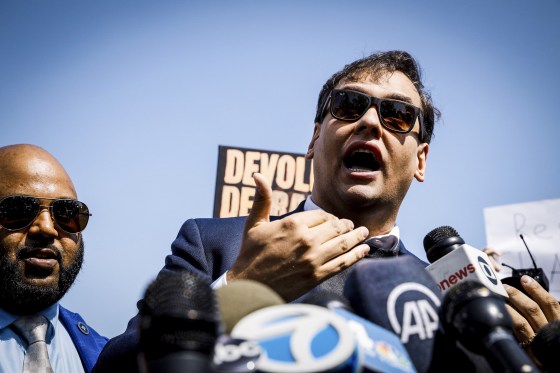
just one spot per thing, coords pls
(18, 212)
(396, 116)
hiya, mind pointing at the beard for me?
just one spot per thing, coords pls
(19, 297)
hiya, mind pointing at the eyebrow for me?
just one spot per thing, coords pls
(392, 96)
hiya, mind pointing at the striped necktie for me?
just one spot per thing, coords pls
(33, 329)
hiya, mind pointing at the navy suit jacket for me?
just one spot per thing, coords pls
(207, 246)
(86, 340)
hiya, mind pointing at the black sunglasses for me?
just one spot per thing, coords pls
(18, 212)
(396, 116)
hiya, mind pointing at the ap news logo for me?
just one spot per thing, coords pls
(298, 338)
(419, 313)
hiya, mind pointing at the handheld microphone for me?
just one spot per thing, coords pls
(546, 344)
(381, 350)
(453, 261)
(479, 320)
(300, 338)
(400, 296)
(236, 300)
(536, 273)
(179, 324)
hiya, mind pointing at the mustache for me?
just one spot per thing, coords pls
(28, 250)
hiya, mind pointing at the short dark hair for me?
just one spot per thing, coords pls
(376, 65)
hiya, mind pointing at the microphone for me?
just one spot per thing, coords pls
(399, 295)
(239, 298)
(236, 300)
(453, 261)
(301, 338)
(479, 320)
(545, 346)
(179, 324)
(381, 350)
(536, 273)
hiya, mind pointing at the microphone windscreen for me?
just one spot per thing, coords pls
(178, 313)
(399, 295)
(441, 241)
(242, 297)
(546, 346)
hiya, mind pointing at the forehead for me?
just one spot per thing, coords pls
(35, 176)
(385, 84)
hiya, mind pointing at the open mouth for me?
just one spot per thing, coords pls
(362, 160)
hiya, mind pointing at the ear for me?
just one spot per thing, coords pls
(311, 147)
(422, 155)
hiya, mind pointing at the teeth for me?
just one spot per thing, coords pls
(356, 169)
(367, 151)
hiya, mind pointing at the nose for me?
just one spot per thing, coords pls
(43, 225)
(369, 122)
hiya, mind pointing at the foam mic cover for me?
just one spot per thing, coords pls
(479, 320)
(179, 323)
(546, 346)
(241, 297)
(399, 295)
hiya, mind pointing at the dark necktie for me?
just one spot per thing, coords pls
(33, 329)
(383, 247)
(380, 247)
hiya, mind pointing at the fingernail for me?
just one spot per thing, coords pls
(365, 232)
(366, 251)
(526, 279)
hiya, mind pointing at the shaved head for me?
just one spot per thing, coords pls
(28, 164)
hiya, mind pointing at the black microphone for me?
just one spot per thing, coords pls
(479, 320)
(400, 296)
(453, 261)
(179, 324)
(546, 346)
(536, 273)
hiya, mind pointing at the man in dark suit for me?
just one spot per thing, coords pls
(373, 124)
(41, 253)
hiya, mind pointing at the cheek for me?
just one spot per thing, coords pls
(9, 244)
(69, 249)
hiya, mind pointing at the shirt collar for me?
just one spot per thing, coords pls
(51, 313)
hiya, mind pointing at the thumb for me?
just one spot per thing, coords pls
(260, 212)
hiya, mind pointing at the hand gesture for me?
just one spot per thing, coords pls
(530, 314)
(294, 254)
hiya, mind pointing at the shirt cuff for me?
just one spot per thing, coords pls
(220, 281)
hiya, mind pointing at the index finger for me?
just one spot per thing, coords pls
(548, 303)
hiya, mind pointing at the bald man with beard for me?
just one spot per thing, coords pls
(41, 253)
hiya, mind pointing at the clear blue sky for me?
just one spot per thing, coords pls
(134, 98)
